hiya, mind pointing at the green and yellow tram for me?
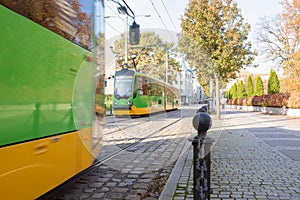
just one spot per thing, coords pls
(47, 94)
(136, 93)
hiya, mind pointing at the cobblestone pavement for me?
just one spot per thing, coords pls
(256, 156)
(138, 172)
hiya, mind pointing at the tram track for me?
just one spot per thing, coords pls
(124, 128)
(102, 161)
(107, 158)
(143, 151)
(108, 123)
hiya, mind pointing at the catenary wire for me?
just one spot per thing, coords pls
(117, 14)
(115, 29)
(169, 16)
(161, 19)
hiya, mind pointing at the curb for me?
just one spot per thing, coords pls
(171, 185)
(177, 172)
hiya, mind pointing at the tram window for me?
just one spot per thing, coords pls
(157, 90)
(138, 86)
(151, 88)
(141, 86)
(69, 19)
(145, 86)
(160, 90)
(123, 87)
(169, 96)
(140, 92)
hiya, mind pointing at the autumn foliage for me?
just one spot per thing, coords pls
(294, 100)
(64, 17)
(289, 100)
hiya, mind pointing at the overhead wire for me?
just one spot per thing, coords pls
(158, 14)
(115, 29)
(117, 14)
(169, 15)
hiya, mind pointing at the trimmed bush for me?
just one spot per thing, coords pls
(234, 102)
(294, 100)
(239, 101)
(278, 100)
(249, 101)
(267, 100)
(260, 100)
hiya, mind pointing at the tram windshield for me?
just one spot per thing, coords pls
(123, 88)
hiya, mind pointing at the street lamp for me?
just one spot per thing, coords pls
(123, 11)
(134, 28)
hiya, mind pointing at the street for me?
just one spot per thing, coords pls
(254, 156)
(137, 156)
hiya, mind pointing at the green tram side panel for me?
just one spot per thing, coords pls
(46, 83)
(141, 101)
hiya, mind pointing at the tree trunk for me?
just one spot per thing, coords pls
(217, 97)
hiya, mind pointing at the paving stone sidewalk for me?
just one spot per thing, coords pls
(180, 183)
(244, 166)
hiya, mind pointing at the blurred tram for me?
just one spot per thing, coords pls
(136, 93)
(48, 128)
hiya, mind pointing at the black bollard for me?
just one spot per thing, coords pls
(203, 109)
(202, 123)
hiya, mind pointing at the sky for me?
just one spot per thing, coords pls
(166, 14)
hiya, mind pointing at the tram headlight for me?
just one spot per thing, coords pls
(130, 103)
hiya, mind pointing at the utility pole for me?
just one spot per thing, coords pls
(211, 94)
(123, 10)
(218, 112)
(126, 40)
(166, 80)
(167, 66)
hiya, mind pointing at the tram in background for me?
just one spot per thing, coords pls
(47, 104)
(136, 93)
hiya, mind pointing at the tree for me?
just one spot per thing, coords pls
(228, 94)
(278, 38)
(291, 21)
(150, 56)
(273, 83)
(274, 42)
(233, 91)
(241, 89)
(214, 38)
(259, 87)
(249, 87)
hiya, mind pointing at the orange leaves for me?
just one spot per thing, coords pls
(64, 17)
